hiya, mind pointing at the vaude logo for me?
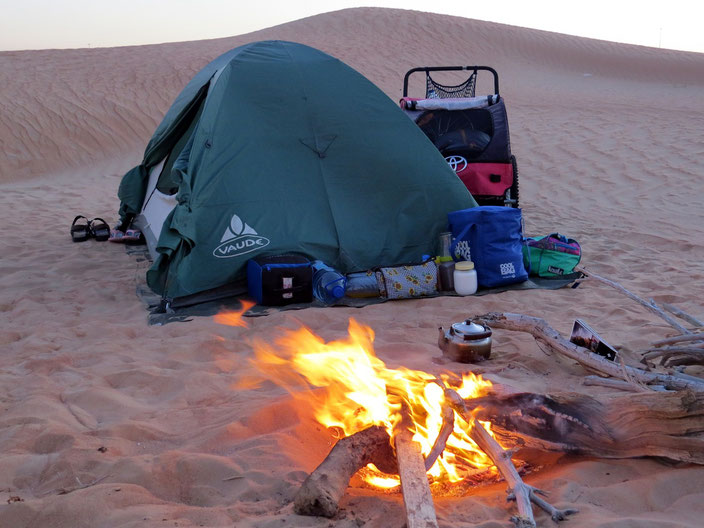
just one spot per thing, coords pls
(240, 246)
(239, 239)
(508, 269)
(457, 163)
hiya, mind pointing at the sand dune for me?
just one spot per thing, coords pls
(67, 108)
(608, 141)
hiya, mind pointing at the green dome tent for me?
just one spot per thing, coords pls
(276, 147)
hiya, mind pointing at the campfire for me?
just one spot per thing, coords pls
(351, 390)
(397, 427)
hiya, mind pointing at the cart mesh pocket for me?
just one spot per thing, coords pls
(435, 90)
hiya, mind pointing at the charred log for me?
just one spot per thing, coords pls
(321, 492)
(628, 425)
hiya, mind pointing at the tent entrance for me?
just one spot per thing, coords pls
(163, 183)
(157, 207)
(166, 183)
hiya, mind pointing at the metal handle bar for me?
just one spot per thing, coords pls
(450, 68)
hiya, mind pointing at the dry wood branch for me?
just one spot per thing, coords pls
(503, 463)
(323, 489)
(676, 355)
(417, 498)
(685, 348)
(683, 315)
(544, 333)
(650, 304)
(679, 339)
(684, 360)
(619, 384)
(678, 360)
(65, 491)
(659, 311)
(637, 386)
(499, 457)
(654, 353)
(555, 514)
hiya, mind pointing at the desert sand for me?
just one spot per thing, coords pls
(108, 422)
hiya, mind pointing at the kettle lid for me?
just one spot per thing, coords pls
(469, 330)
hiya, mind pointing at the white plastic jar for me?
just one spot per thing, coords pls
(465, 277)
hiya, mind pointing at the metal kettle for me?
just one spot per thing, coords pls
(465, 342)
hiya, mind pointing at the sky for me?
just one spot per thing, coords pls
(42, 24)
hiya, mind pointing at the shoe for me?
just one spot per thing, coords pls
(116, 235)
(80, 231)
(132, 236)
(99, 229)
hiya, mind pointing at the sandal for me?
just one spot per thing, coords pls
(99, 229)
(80, 232)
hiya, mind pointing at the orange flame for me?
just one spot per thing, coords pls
(348, 388)
(234, 317)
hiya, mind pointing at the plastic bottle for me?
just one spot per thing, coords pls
(465, 277)
(445, 241)
(328, 283)
(362, 284)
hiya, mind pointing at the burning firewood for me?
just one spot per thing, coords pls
(448, 425)
(321, 492)
(417, 498)
(360, 390)
(617, 426)
(518, 490)
(620, 426)
(349, 388)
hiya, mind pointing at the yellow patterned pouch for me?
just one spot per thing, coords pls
(404, 282)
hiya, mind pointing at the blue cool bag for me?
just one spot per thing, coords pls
(491, 237)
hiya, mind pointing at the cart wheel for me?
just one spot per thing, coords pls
(511, 199)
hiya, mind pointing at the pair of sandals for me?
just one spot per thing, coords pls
(82, 229)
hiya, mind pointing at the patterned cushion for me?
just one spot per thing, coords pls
(404, 282)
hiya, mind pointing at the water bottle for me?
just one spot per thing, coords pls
(328, 283)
